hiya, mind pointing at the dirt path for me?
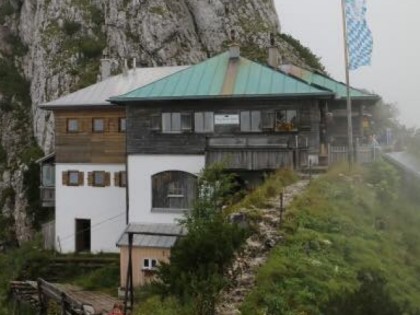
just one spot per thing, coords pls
(255, 253)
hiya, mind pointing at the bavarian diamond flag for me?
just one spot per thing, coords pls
(359, 37)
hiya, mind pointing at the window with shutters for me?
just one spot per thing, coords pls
(176, 122)
(173, 190)
(204, 122)
(72, 178)
(251, 121)
(99, 179)
(120, 179)
(73, 125)
(98, 125)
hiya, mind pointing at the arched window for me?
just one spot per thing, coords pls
(173, 190)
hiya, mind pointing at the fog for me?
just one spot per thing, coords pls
(395, 64)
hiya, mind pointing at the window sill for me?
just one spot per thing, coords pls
(169, 210)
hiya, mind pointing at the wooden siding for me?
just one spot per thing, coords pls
(140, 277)
(143, 140)
(86, 146)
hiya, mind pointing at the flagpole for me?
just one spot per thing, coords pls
(349, 111)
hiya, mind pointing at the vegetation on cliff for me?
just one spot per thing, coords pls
(350, 248)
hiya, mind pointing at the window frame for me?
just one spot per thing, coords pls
(69, 130)
(94, 182)
(122, 174)
(69, 182)
(174, 119)
(121, 124)
(94, 120)
(152, 264)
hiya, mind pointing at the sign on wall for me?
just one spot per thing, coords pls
(232, 119)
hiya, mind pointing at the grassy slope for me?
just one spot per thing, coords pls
(343, 224)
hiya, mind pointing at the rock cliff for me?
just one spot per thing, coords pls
(51, 47)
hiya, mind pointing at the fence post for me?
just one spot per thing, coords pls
(357, 151)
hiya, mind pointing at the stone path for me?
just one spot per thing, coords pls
(255, 252)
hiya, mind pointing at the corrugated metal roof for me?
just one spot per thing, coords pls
(221, 76)
(317, 79)
(99, 93)
(163, 235)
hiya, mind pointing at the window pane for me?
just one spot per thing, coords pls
(175, 122)
(267, 120)
(173, 190)
(256, 121)
(199, 122)
(98, 125)
(73, 178)
(245, 121)
(155, 122)
(146, 263)
(99, 178)
(186, 121)
(166, 122)
(123, 124)
(73, 125)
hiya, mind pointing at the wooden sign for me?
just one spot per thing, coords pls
(226, 119)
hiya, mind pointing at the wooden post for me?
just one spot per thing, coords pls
(297, 152)
(42, 306)
(129, 278)
(281, 206)
(63, 303)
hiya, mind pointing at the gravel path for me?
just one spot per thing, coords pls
(255, 252)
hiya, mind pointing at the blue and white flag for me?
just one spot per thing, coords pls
(359, 37)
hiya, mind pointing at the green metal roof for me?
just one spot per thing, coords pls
(222, 76)
(323, 81)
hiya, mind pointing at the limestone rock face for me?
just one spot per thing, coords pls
(54, 47)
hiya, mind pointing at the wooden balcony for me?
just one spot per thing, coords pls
(47, 197)
(257, 152)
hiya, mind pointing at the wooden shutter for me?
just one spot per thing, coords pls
(90, 179)
(117, 179)
(81, 178)
(107, 178)
(65, 176)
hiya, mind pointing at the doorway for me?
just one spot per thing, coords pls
(82, 235)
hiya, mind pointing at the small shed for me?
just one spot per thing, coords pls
(152, 244)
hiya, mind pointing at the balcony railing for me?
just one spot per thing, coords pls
(257, 152)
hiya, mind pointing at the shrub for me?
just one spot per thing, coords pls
(71, 27)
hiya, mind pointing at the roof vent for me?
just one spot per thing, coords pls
(125, 67)
(234, 48)
(273, 53)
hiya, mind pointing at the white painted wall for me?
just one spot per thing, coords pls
(104, 206)
(140, 171)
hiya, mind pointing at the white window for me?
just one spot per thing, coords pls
(204, 122)
(122, 124)
(149, 264)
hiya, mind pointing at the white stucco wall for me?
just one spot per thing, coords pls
(104, 206)
(140, 171)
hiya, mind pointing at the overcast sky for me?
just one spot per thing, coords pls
(395, 70)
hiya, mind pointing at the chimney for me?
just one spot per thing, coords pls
(234, 49)
(134, 64)
(125, 67)
(273, 53)
(106, 64)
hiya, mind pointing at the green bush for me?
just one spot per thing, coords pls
(91, 47)
(71, 27)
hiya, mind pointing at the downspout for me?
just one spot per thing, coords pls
(127, 199)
